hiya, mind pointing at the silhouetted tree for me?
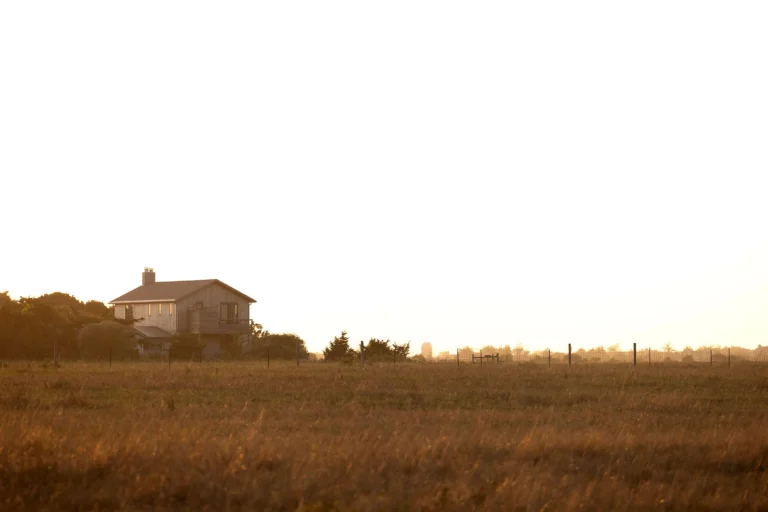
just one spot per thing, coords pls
(96, 340)
(281, 346)
(402, 350)
(338, 349)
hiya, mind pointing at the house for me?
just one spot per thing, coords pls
(212, 310)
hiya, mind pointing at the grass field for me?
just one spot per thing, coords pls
(234, 436)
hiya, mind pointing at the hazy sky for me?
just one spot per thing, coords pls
(453, 172)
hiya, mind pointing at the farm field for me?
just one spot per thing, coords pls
(236, 435)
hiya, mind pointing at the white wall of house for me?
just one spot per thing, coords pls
(162, 314)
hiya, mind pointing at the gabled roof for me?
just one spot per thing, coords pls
(171, 291)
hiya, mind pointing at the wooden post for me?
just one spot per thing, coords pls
(569, 355)
(362, 355)
(481, 359)
(549, 358)
(729, 357)
(634, 355)
(649, 356)
(710, 357)
(457, 358)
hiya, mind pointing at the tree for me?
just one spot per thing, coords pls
(30, 327)
(378, 350)
(402, 350)
(489, 350)
(96, 340)
(338, 349)
(466, 353)
(281, 346)
(668, 347)
(186, 345)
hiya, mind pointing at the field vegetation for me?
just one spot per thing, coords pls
(238, 435)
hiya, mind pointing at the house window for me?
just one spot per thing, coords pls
(129, 311)
(149, 309)
(171, 308)
(228, 312)
(160, 309)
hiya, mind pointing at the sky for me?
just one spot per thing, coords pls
(463, 173)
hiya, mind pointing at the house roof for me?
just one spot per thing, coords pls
(170, 291)
(150, 331)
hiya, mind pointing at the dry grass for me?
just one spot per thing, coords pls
(502, 437)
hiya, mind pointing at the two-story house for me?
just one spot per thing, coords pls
(208, 308)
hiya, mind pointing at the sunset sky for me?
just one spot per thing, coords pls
(463, 173)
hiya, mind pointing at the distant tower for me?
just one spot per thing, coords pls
(426, 350)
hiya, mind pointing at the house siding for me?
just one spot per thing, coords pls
(165, 321)
(211, 297)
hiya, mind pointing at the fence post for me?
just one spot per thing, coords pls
(549, 358)
(634, 355)
(481, 359)
(649, 356)
(569, 355)
(710, 357)
(729, 357)
(362, 354)
(457, 358)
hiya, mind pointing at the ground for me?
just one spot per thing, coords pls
(240, 435)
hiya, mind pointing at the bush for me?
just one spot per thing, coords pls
(186, 346)
(94, 341)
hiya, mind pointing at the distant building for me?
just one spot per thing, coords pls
(209, 308)
(426, 350)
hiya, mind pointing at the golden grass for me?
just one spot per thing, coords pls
(406, 437)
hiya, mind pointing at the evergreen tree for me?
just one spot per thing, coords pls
(338, 349)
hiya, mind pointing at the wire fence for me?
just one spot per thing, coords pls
(636, 356)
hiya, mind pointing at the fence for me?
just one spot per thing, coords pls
(636, 356)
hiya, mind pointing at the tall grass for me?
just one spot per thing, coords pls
(414, 437)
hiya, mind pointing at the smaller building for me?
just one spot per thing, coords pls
(208, 308)
(426, 350)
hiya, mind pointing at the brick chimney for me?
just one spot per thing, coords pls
(148, 276)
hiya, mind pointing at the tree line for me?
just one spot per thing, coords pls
(30, 326)
(376, 350)
(33, 327)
